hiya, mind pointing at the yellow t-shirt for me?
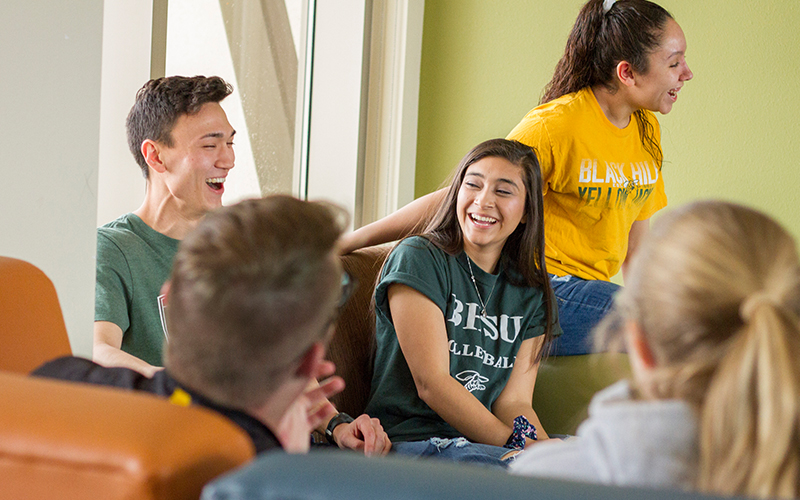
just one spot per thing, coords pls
(597, 180)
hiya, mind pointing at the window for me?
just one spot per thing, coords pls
(255, 45)
(352, 139)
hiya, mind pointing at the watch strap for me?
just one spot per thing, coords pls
(340, 418)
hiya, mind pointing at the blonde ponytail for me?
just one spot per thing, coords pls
(751, 416)
(715, 289)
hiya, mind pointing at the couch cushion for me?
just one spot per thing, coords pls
(566, 384)
(353, 344)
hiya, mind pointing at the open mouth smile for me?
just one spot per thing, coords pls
(482, 220)
(673, 94)
(215, 183)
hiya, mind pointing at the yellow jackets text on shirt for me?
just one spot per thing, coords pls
(598, 179)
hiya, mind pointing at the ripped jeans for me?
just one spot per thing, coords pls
(457, 450)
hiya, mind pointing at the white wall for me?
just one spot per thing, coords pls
(126, 66)
(365, 89)
(50, 55)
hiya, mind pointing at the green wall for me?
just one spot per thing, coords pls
(733, 134)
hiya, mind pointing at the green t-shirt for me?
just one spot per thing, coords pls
(133, 262)
(482, 349)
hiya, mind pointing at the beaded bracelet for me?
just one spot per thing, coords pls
(522, 429)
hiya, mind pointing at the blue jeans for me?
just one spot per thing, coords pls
(457, 450)
(581, 305)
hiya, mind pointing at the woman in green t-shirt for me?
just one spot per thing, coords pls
(464, 312)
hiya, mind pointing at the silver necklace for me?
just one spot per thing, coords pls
(475, 284)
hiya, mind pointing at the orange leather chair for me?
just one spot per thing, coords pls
(68, 441)
(75, 441)
(32, 328)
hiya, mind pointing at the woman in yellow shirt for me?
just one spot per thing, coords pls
(598, 144)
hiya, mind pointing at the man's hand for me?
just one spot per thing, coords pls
(363, 433)
(310, 410)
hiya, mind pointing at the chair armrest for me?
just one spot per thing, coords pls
(68, 440)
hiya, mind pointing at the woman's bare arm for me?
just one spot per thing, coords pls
(638, 231)
(394, 226)
(517, 396)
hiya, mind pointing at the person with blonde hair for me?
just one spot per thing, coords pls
(710, 315)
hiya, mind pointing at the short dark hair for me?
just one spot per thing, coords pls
(159, 104)
(252, 287)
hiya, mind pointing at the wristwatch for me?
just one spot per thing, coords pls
(340, 418)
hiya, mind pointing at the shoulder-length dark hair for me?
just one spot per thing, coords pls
(599, 40)
(523, 253)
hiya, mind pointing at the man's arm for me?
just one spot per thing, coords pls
(363, 433)
(107, 350)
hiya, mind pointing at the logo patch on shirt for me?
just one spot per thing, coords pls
(611, 187)
(472, 380)
(162, 313)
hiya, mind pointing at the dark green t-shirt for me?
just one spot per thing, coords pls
(482, 349)
(133, 262)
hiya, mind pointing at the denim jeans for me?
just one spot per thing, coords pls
(457, 450)
(581, 305)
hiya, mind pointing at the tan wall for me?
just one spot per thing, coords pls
(732, 134)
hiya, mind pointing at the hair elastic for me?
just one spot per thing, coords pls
(522, 429)
(607, 4)
(753, 302)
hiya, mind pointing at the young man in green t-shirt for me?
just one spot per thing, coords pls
(233, 347)
(182, 140)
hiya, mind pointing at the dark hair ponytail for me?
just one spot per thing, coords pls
(599, 40)
(577, 68)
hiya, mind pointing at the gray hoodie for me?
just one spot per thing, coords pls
(651, 443)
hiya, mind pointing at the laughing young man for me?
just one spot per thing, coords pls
(182, 140)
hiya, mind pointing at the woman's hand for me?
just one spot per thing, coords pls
(517, 396)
